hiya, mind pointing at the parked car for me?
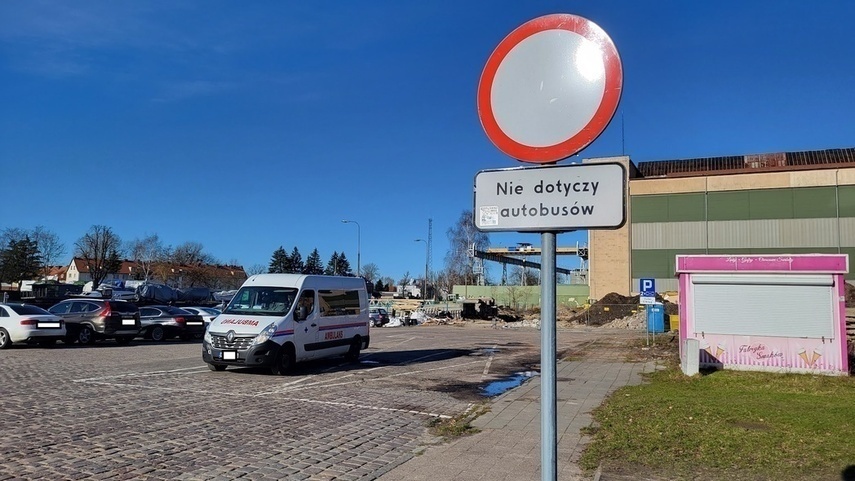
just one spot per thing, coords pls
(159, 323)
(208, 313)
(379, 316)
(27, 323)
(90, 319)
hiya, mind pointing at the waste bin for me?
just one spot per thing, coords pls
(674, 322)
(655, 318)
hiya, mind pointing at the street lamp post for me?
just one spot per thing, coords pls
(424, 294)
(358, 246)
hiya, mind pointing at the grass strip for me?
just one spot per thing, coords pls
(742, 425)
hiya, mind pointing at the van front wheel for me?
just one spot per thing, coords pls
(284, 362)
(355, 346)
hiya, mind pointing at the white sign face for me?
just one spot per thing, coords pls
(647, 300)
(553, 198)
(550, 88)
(540, 103)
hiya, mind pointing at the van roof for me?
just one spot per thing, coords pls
(299, 280)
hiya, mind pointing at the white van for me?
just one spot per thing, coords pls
(277, 320)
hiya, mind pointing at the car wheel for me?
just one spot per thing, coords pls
(85, 335)
(284, 362)
(5, 340)
(123, 340)
(156, 333)
(355, 346)
(216, 367)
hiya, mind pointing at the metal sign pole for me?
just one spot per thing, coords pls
(548, 418)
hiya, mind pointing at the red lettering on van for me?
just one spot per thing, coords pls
(242, 322)
(333, 335)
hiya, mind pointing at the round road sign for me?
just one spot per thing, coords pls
(550, 88)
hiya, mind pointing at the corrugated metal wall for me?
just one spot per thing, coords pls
(791, 220)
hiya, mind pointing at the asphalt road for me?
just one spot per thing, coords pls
(155, 411)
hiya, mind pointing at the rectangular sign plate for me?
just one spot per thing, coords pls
(551, 198)
(229, 355)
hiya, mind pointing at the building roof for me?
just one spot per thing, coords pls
(128, 267)
(743, 164)
(58, 271)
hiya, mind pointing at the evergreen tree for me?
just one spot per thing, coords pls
(332, 265)
(314, 264)
(296, 266)
(20, 260)
(344, 266)
(280, 262)
(114, 262)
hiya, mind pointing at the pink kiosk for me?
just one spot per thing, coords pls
(777, 313)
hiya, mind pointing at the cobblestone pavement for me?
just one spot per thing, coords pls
(155, 411)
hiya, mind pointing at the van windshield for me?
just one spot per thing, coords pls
(262, 301)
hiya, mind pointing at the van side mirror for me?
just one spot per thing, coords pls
(301, 313)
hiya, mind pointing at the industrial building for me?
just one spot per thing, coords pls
(778, 203)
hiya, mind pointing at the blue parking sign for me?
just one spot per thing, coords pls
(647, 285)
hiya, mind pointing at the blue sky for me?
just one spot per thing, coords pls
(249, 125)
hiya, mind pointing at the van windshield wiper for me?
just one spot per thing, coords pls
(238, 311)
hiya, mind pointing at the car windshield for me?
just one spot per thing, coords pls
(27, 310)
(262, 301)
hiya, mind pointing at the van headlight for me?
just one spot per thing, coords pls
(208, 338)
(265, 335)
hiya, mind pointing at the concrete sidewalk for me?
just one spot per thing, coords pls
(508, 446)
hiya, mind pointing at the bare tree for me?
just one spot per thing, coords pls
(444, 283)
(191, 254)
(99, 248)
(12, 234)
(404, 282)
(459, 264)
(370, 271)
(255, 269)
(50, 247)
(525, 276)
(514, 293)
(146, 252)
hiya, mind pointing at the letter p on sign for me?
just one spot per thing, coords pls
(647, 285)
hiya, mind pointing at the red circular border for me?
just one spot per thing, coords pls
(601, 118)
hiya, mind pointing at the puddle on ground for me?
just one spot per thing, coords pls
(485, 351)
(502, 386)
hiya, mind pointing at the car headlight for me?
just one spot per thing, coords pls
(208, 338)
(265, 335)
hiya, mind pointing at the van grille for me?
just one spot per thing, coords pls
(240, 343)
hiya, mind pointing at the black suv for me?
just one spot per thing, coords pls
(87, 320)
(379, 316)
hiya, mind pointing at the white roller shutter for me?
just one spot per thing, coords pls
(764, 305)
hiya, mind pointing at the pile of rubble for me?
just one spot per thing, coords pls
(634, 321)
(613, 311)
(614, 306)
